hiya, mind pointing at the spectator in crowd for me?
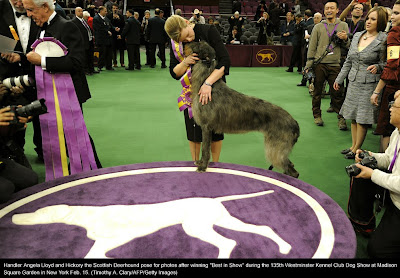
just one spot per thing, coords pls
(296, 8)
(118, 45)
(284, 7)
(389, 82)
(219, 27)
(274, 17)
(88, 19)
(178, 12)
(261, 8)
(103, 28)
(236, 6)
(157, 37)
(384, 241)
(145, 23)
(233, 38)
(297, 41)
(210, 20)
(307, 34)
(355, 23)
(327, 67)
(236, 21)
(197, 18)
(287, 30)
(109, 5)
(131, 34)
(265, 31)
(363, 65)
(87, 37)
(90, 7)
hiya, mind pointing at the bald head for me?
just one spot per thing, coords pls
(79, 12)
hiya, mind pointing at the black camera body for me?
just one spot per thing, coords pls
(35, 108)
(309, 75)
(366, 160)
(335, 39)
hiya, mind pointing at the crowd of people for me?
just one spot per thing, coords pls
(357, 56)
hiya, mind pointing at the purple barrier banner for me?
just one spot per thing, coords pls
(259, 55)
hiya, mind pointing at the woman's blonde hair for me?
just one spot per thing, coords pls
(174, 25)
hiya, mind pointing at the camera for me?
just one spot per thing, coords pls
(335, 39)
(23, 80)
(309, 75)
(366, 160)
(35, 108)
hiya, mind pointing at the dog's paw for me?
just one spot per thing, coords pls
(201, 168)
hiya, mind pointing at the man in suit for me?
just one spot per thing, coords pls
(103, 35)
(287, 30)
(13, 13)
(157, 37)
(87, 37)
(131, 34)
(53, 25)
(118, 45)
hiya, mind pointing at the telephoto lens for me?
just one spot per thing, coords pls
(23, 80)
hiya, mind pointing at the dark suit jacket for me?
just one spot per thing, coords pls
(287, 28)
(155, 30)
(66, 32)
(131, 31)
(100, 29)
(6, 19)
(84, 32)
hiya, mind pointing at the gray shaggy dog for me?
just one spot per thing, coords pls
(232, 112)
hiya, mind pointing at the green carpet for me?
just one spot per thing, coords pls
(133, 118)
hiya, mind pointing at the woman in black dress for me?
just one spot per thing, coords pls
(181, 31)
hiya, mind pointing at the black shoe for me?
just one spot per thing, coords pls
(138, 68)
(350, 155)
(152, 66)
(301, 84)
(129, 68)
(110, 69)
(345, 151)
(95, 71)
(289, 70)
(163, 66)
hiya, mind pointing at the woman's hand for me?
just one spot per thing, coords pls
(336, 86)
(191, 59)
(374, 99)
(372, 69)
(205, 94)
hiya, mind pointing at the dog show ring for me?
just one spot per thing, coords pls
(168, 210)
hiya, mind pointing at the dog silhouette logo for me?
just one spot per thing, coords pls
(266, 56)
(113, 226)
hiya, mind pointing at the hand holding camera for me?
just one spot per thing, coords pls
(364, 166)
(6, 116)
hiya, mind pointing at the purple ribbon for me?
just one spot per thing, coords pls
(394, 157)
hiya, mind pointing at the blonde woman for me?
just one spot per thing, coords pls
(181, 31)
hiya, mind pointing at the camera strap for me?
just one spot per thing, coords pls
(330, 35)
(396, 152)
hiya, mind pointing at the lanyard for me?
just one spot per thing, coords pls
(327, 31)
(396, 151)
(355, 29)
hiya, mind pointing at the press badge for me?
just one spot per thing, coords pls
(393, 52)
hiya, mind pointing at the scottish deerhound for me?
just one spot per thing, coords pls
(233, 112)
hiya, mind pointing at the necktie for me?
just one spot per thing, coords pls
(88, 29)
(18, 14)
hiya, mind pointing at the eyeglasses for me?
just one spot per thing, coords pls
(358, 8)
(391, 105)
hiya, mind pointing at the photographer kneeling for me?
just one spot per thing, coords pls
(384, 181)
(13, 176)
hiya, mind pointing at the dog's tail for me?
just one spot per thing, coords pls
(243, 196)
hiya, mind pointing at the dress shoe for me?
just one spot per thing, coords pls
(345, 151)
(110, 69)
(163, 66)
(301, 84)
(318, 121)
(129, 68)
(350, 155)
(289, 70)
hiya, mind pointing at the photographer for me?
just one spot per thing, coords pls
(13, 176)
(197, 18)
(385, 240)
(323, 56)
